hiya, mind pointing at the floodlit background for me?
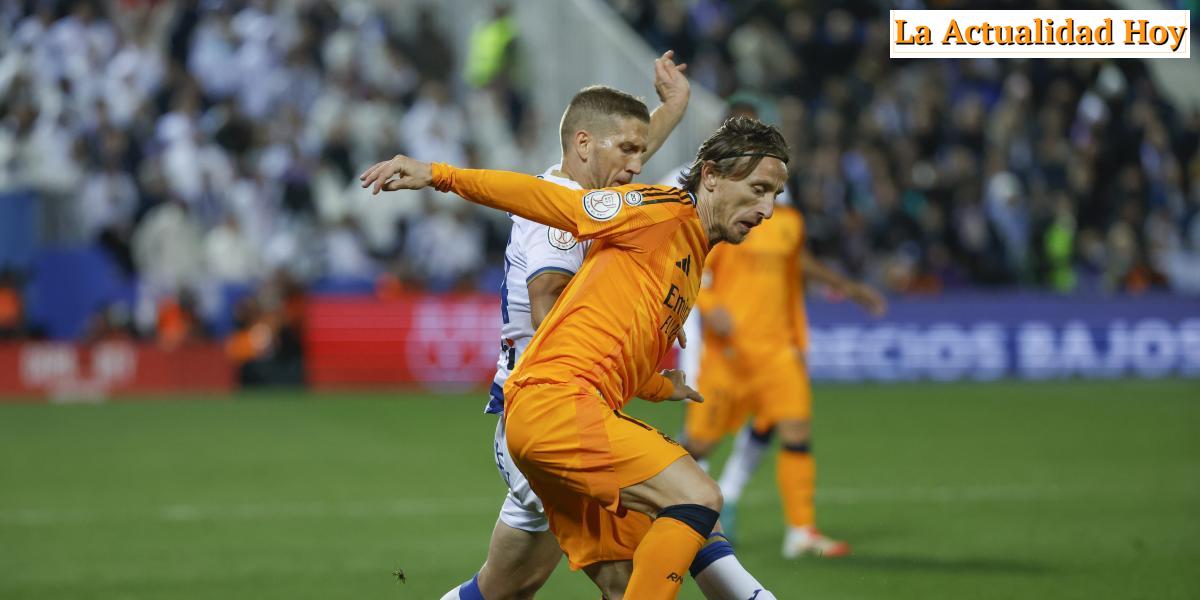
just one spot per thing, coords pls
(180, 225)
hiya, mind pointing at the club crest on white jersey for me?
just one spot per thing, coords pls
(563, 240)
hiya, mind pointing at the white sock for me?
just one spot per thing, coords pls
(743, 461)
(727, 579)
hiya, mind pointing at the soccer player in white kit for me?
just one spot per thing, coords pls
(605, 143)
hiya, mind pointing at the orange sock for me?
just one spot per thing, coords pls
(795, 471)
(661, 561)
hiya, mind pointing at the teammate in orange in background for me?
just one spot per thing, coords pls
(755, 334)
(600, 344)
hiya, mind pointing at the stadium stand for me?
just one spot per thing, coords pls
(925, 175)
(198, 153)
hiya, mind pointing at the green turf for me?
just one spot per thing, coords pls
(1053, 490)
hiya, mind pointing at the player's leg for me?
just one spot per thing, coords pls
(522, 553)
(749, 447)
(716, 569)
(796, 474)
(720, 575)
(519, 563)
(686, 503)
(612, 577)
(706, 423)
(790, 409)
(589, 463)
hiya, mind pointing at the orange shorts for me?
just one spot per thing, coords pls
(577, 453)
(771, 385)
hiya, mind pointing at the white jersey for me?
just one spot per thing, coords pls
(532, 249)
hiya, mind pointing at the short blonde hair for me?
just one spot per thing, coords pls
(592, 109)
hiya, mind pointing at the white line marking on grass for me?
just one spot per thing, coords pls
(442, 507)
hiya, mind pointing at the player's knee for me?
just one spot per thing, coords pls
(793, 433)
(702, 518)
(704, 492)
(699, 449)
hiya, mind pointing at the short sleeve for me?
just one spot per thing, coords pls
(548, 249)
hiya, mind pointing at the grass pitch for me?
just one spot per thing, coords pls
(999, 490)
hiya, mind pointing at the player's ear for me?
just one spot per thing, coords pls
(583, 143)
(708, 175)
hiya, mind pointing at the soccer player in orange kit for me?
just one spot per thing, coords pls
(600, 345)
(752, 362)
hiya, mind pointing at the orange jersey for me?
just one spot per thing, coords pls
(760, 283)
(620, 314)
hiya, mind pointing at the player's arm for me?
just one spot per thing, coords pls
(866, 296)
(552, 258)
(586, 214)
(544, 291)
(673, 91)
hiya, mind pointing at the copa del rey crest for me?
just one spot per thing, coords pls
(602, 205)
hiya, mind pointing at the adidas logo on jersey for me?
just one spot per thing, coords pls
(685, 264)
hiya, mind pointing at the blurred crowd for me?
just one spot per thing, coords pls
(205, 144)
(1069, 175)
(210, 144)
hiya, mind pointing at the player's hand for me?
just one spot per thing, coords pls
(671, 85)
(719, 322)
(681, 390)
(869, 298)
(399, 173)
(681, 337)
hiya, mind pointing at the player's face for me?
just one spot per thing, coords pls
(741, 204)
(616, 156)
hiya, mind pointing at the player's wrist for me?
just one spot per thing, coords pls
(660, 389)
(439, 176)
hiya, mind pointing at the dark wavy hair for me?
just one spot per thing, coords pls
(735, 150)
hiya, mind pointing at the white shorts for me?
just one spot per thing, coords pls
(522, 508)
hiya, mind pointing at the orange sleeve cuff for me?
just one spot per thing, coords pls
(656, 389)
(443, 176)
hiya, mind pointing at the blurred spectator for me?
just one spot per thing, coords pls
(346, 254)
(445, 246)
(111, 323)
(266, 343)
(494, 62)
(252, 340)
(430, 50)
(230, 255)
(178, 322)
(435, 128)
(167, 248)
